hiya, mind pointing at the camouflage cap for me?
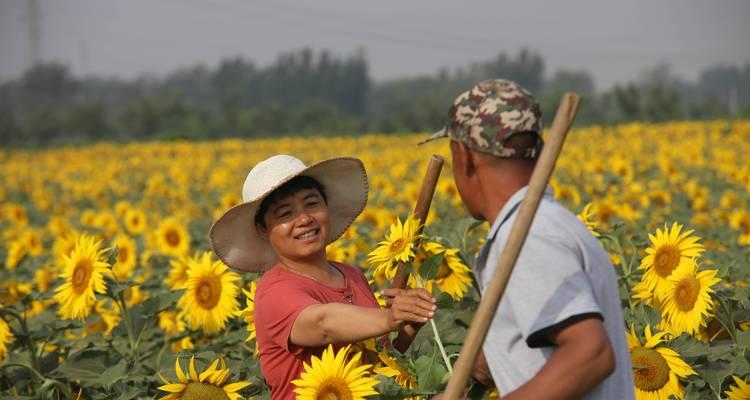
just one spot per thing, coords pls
(487, 115)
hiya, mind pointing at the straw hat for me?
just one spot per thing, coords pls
(236, 240)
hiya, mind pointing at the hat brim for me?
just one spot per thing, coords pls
(237, 242)
(443, 133)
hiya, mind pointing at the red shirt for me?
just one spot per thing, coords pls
(281, 295)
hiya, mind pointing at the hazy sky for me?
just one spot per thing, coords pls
(614, 40)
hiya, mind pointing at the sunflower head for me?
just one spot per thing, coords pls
(210, 296)
(656, 368)
(208, 385)
(83, 276)
(172, 237)
(399, 245)
(669, 249)
(687, 304)
(335, 376)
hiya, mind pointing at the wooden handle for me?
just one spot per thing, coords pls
(420, 211)
(462, 369)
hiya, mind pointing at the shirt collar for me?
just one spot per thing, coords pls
(509, 206)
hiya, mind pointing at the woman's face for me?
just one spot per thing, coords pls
(297, 225)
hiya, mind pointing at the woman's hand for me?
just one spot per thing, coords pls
(410, 305)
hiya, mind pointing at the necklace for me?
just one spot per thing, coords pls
(347, 295)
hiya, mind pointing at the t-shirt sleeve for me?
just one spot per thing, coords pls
(277, 307)
(548, 289)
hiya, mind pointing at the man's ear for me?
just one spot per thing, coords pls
(467, 158)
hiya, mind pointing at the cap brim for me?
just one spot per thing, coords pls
(443, 133)
(237, 242)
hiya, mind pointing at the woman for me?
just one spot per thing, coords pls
(304, 301)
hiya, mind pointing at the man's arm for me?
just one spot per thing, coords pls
(582, 359)
(321, 324)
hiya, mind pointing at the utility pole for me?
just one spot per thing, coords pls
(35, 36)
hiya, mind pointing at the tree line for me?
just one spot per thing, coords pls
(307, 92)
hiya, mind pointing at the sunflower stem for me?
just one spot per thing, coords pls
(626, 268)
(21, 317)
(33, 370)
(435, 333)
(128, 323)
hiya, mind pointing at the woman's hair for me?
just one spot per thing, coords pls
(295, 185)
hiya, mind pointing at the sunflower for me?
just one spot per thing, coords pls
(587, 217)
(83, 276)
(656, 369)
(391, 368)
(332, 377)
(16, 254)
(669, 249)
(177, 276)
(210, 298)
(397, 246)
(32, 241)
(64, 245)
(6, 338)
(688, 302)
(739, 391)
(247, 314)
(208, 385)
(126, 256)
(452, 276)
(173, 325)
(134, 221)
(109, 318)
(172, 238)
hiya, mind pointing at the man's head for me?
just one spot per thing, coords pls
(495, 130)
(490, 113)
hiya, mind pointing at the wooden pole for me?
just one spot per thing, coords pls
(462, 369)
(420, 211)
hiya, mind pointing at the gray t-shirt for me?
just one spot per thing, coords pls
(562, 275)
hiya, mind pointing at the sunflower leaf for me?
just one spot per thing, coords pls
(430, 266)
(743, 339)
(113, 374)
(429, 372)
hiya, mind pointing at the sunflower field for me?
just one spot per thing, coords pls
(109, 288)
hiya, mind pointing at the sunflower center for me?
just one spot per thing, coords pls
(203, 391)
(123, 255)
(686, 293)
(650, 369)
(81, 275)
(666, 260)
(334, 389)
(443, 272)
(172, 237)
(398, 245)
(207, 292)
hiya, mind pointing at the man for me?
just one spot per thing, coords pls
(558, 331)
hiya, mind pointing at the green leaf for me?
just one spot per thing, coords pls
(429, 372)
(743, 339)
(113, 374)
(161, 302)
(86, 366)
(388, 389)
(444, 301)
(430, 266)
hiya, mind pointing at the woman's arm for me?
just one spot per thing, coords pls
(322, 324)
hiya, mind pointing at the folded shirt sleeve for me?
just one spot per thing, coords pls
(548, 289)
(278, 307)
